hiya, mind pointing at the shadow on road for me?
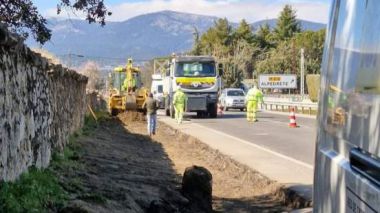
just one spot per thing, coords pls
(128, 171)
(299, 195)
(262, 203)
(125, 171)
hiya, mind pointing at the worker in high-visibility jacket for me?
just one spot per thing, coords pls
(253, 97)
(125, 86)
(129, 83)
(179, 102)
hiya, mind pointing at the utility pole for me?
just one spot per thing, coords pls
(302, 72)
(294, 63)
(154, 66)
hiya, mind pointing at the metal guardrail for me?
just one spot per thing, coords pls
(286, 106)
(306, 96)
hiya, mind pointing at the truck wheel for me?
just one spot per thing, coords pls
(172, 112)
(202, 114)
(213, 110)
(167, 106)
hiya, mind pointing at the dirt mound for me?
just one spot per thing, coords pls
(236, 187)
(123, 170)
(132, 116)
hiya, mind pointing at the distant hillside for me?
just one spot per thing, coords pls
(305, 25)
(142, 37)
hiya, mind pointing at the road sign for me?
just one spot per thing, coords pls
(273, 81)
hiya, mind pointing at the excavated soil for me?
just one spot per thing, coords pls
(123, 170)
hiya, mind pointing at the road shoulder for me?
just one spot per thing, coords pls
(294, 174)
(287, 113)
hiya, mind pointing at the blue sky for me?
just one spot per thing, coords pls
(235, 10)
(48, 4)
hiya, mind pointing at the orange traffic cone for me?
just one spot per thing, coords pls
(292, 117)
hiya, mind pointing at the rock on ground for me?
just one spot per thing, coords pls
(197, 187)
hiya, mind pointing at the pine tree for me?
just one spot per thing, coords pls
(264, 37)
(282, 59)
(217, 40)
(243, 32)
(223, 31)
(287, 24)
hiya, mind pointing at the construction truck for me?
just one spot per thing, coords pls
(157, 89)
(126, 91)
(199, 79)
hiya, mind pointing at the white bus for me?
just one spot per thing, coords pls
(347, 166)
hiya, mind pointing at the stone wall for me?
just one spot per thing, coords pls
(41, 104)
(96, 101)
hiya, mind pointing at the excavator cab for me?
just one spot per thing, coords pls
(126, 89)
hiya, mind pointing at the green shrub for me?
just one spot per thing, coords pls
(39, 190)
(90, 123)
(313, 85)
(35, 191)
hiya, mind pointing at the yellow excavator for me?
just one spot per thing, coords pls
(126, 91)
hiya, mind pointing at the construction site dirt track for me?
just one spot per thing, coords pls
(128, 170)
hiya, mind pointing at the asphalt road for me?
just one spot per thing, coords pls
(271, 132)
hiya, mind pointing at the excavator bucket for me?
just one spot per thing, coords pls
(131, 103)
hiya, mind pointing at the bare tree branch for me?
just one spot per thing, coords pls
(22, 17)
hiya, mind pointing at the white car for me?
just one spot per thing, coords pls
(232, 98)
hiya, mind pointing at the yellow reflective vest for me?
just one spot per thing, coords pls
(180, 98)
(254, 94)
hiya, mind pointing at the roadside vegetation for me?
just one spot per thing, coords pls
(41, 190)
(35, 191)
(91, 70)
(246, 53)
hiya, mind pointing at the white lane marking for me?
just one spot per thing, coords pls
(286, 123)
(309, 166)
(261, 134)
(287, 114)
(282, 123)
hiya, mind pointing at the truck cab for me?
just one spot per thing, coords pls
(200, 80)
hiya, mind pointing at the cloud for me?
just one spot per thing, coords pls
(234, 10)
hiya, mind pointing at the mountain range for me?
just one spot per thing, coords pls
(142, 37)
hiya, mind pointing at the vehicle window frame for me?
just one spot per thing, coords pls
(158, 88)
(243, 94)
(210, 63)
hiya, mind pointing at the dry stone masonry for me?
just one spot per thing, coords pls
(41, 104)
